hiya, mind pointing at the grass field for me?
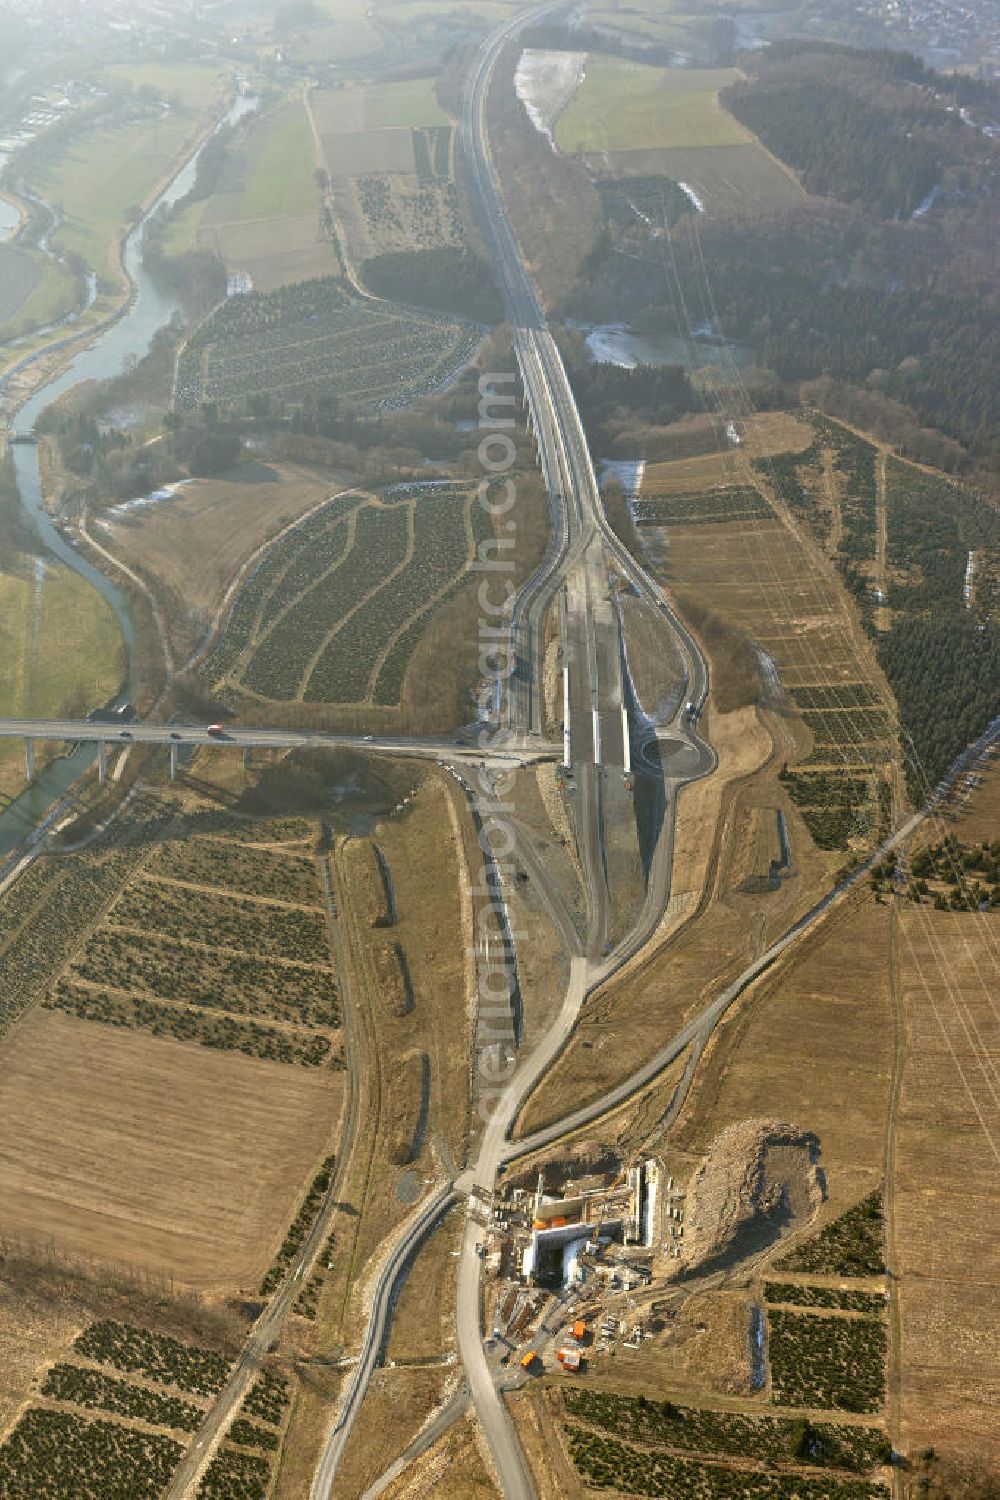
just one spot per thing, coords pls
(53, 295)
(264, 219)
(636, 120)
(155, 1154)
(342, 33)
(624, 106)
(20, 273)
(60, 650)
(281, 181)
(191, 548)
(377, 106)
(106, 174)
(194, 86)
(39, 615)
(725, 178)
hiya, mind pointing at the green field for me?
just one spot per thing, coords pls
(623, 106)
(103, 177)
(192, 85)
(633, 120)
(60, 650)
(377, 106)
(54, 295)
(34, 291)
(264, 217)
(346, 35)
(59, 641)
(283, 164)
(412, 102)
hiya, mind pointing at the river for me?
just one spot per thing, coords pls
(108, 356)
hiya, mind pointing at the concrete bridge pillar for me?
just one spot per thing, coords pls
(246, 759)
(173, 760)
(29, 759)
(102, 761)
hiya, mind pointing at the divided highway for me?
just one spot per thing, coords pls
(582, 558)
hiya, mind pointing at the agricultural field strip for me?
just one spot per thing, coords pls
(31, 959)
(234, 1474)
(330, 637)
(380, 376)
(217, 1004)
(84, 1454)
(214, 1029)
(189, 941)
(237, 867)
(714, 1433)
(430, 602)
(869, 728)
(90, 1388)
(268, 927)
(441, 558)
(824, 1359)
(382, 533)
(607, 1463)
(436, 558)
(260, 631)
(238, 984)
(151, 877)
(271, 573)
(271, 342)
(75, 983)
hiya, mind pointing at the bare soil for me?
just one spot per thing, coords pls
(153, 1154)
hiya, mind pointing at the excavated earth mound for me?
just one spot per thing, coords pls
(758, 1182)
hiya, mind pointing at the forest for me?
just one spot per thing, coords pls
(447, 278)
(884, 279)
(875, 128)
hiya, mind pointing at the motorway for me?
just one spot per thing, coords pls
(582, 560)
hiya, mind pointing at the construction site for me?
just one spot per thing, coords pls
(564, 1268)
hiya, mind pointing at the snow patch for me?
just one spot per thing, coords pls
(928, 203)
(970, 569)
(690, 193)
(545, 82)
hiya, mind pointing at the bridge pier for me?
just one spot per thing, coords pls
(173, 760)
(102, 761)
(246, 759)
(29, 760)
